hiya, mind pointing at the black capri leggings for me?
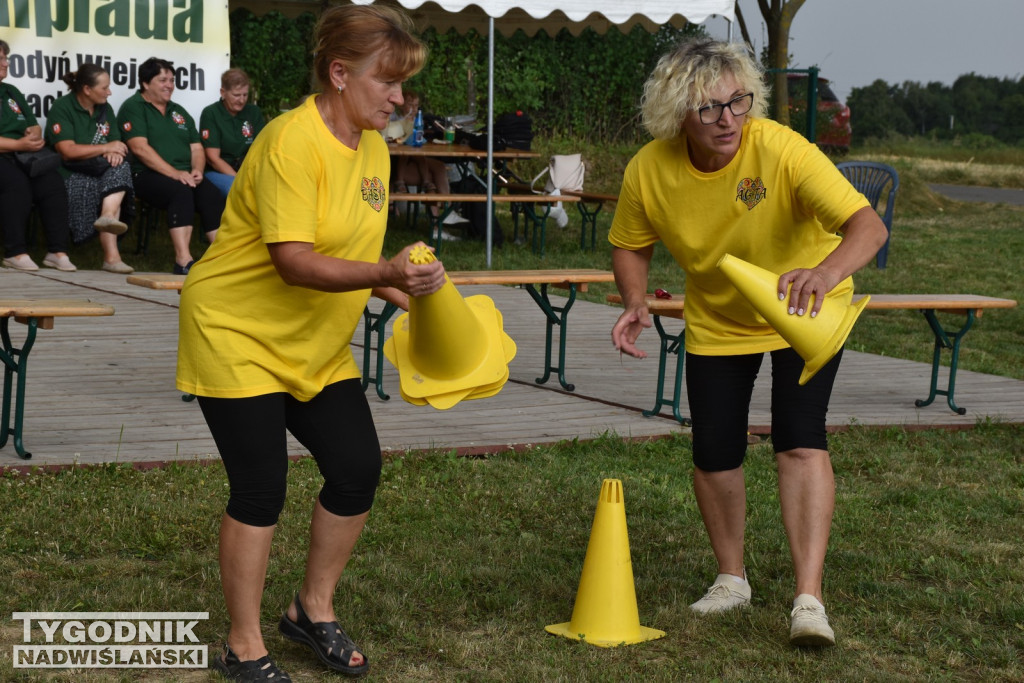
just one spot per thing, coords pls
(337, 428)
(181, 201)
(719, 388)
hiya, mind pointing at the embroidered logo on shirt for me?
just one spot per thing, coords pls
(103, 129)
(177, 118)
(750, 191)
(127, 125)
(247, 129)
(56, 128)
(206, 133)
(13, 105)
(373, 193)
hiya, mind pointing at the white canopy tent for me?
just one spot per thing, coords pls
(530, 16)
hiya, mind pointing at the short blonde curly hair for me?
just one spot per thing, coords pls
(683, 77)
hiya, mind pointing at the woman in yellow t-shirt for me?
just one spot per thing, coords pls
(267, 316)
(720, 178)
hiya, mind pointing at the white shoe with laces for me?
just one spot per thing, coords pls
(808, 626)
(726, 593)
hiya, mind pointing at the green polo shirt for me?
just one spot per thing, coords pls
(69, 120)
(15, 116)
(170, 134)
(231, 134)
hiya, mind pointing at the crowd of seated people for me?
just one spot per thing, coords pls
(150, 148)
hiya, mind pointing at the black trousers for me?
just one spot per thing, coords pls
(18, 194)
(179, 200)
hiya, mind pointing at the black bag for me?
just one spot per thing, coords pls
(96, 166)
(35, 164)
(478, 141)
(476, 214)
(516, 129)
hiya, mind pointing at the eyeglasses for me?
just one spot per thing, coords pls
(738, 106)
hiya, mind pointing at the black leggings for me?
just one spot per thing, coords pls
(18, 193)
(719, 388)
(181, 201)
(337, 428)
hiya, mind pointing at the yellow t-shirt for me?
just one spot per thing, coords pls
(243, 331)
(778, 204)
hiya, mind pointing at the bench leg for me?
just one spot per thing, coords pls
(945, 340)
(15, 362)
(375, 323)
(673, 344)
(589, 219)
(555, 316)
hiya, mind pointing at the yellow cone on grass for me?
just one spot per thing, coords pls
(815, 339)
(605, 613)
(448, 349)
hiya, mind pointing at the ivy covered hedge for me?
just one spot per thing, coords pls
(586, 87)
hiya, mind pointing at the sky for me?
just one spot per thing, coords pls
(855, 42)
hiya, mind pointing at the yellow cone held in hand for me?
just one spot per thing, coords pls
(815, 339)
(605, 612)
(448, 349)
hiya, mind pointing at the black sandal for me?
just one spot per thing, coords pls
(327, 640)
(251, 671)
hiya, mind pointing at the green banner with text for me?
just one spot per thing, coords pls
(50, 38)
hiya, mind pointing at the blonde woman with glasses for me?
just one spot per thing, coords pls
(721, 178)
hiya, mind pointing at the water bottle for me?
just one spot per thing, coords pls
(417, 130)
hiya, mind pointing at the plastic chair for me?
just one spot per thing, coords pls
(871, 178)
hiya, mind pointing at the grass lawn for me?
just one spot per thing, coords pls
(464, 561)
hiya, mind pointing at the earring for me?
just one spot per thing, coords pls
(340, 88)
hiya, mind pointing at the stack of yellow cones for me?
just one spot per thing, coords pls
(815, 339)
(448, 349)
(605, 613)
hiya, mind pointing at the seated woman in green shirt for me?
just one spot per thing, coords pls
(168, 163)
(19, 192)
(228, 128)
(83, 129)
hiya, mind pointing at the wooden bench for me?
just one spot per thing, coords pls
(970, 305)
(573, 280)
(448, 201)
(37, 314)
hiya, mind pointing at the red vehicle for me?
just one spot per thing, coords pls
(833, 122)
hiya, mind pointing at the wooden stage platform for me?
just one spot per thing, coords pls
(102, 390)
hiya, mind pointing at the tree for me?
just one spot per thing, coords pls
(778, 18)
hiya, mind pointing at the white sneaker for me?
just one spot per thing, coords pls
(808, 626)
(61, 262)
(454, 219)
(21, 262)
(726, 593)
(448, 237)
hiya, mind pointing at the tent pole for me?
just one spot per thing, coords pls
(490, 138)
